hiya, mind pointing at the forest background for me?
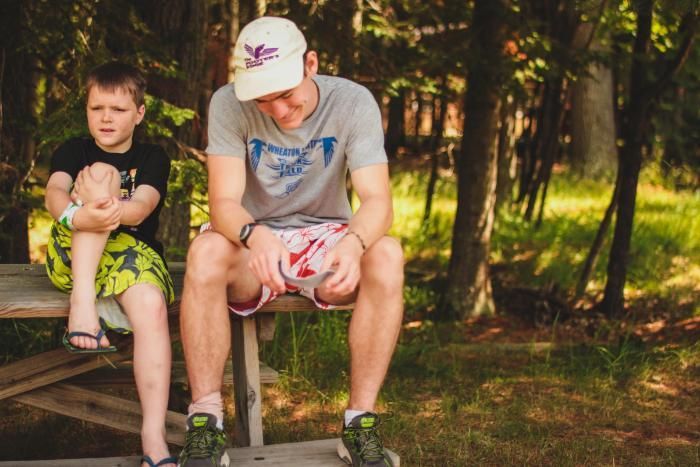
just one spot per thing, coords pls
(546, 174)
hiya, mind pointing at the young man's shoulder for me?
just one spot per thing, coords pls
(340, 83)
(343, 89)
(225, 93)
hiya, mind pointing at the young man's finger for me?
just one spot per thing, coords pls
(272, 264)
(341, 271)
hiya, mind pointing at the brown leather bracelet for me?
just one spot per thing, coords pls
(352, 232)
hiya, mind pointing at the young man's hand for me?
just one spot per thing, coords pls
(266, 252)
(344, 257)
(87, 188)
(100, 215)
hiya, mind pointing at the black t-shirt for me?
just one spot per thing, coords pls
(142, 164)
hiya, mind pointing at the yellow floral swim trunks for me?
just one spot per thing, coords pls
(125, 261)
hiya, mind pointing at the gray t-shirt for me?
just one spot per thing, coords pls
(296, 178)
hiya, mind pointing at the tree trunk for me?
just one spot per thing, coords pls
(634, 128)
(469, 290)
(525, 149)
(184, 26)
(594, 153)
(439, 116)
(396, 130)
(18, 92)
(420, 105)
(547, 141)
(506, 155)
(597, 245)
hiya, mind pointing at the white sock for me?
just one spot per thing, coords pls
(211, 404)
(350, 414)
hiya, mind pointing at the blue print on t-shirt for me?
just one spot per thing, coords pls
(290, 162)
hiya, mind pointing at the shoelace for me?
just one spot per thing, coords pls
(199, 442)
(369, 443)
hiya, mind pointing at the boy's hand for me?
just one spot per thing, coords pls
(87, 188)
(344, 257)
(100, 215)
(266, 252)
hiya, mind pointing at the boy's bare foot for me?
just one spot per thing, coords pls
(83, 317)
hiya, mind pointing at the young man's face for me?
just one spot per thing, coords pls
(289, 108)
(112, 117)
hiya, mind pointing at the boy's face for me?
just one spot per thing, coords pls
(112, 117)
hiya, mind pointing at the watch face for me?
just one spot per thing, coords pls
(245, 232)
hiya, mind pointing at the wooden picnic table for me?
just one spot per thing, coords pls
(59, 381)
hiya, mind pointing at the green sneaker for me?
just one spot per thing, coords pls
(361, 445)
(205, 444)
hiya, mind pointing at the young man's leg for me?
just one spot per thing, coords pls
(217, 271)
(374, 329)
(86, 251)
(375, 322)
(148, 314)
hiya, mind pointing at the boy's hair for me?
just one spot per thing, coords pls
(116, 75)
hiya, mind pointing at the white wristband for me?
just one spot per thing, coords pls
(66, 217)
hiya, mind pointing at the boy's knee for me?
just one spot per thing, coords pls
(152, 299)
(101, 171)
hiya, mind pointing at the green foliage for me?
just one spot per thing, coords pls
(162, 112)
(665, 242)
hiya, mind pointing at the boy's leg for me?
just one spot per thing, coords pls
(145, 306)
(86, 251)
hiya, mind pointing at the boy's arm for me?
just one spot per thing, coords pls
(95, 216)
(57, 196)
(140, 206)
(227, 178)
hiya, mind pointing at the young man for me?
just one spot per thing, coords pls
(281, 140)
(105, 193)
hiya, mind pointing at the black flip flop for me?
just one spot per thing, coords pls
(167, 460)
(98, 337)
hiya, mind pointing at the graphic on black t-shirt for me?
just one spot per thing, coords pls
(128, 183)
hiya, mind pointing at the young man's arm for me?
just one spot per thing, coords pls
(95, 216)
(370, 222)
(226, 185)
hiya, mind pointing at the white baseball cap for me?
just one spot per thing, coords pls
(268, 57)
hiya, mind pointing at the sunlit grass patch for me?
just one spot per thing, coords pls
(474, 404)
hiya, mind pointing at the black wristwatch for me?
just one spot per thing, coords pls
(246, 231)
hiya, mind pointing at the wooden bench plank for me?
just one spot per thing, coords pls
(26, 292)
(114, 412)
(52, 366)
(123, 375)
(321, 453)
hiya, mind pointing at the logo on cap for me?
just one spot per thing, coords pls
(259, 55)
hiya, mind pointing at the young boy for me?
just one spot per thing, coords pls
(106, 193)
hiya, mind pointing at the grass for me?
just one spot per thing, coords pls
(506, 404)
(492, 391)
